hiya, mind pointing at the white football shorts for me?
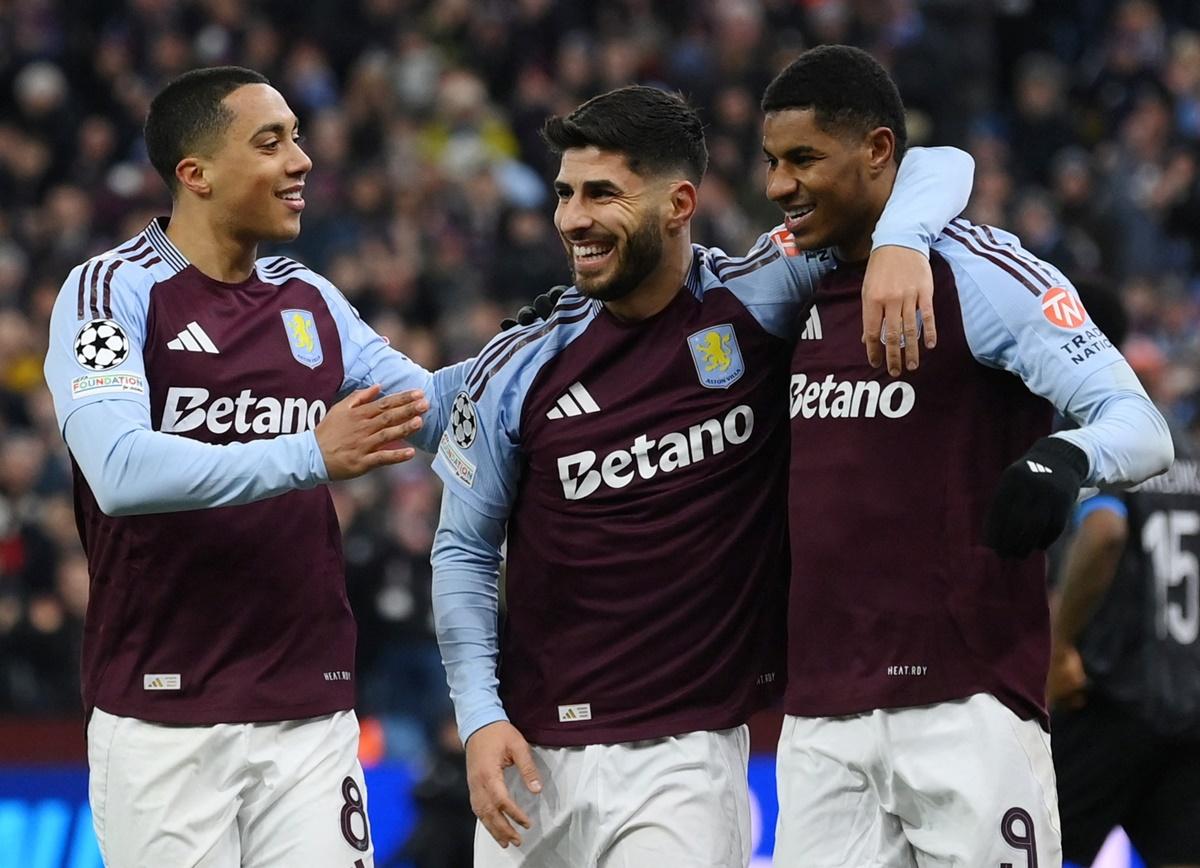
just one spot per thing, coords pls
(256, 795)
(962, 784)
(678, 802)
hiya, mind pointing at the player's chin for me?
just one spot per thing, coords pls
(593, 286)
(287, 229)
(606, 290)
(814, 237)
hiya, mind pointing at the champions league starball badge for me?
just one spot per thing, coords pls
(101, 344)
(463, 424)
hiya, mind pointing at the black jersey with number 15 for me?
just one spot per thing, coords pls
(1142, 647)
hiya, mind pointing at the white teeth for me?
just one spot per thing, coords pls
(590, 250)
(293, 195)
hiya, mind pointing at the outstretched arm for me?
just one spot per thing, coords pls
(134, 470)
(369, 360)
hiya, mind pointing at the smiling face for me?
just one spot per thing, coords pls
(826, 181)
(610, 220)
(256, 172)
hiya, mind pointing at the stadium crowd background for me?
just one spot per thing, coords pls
(429, 206)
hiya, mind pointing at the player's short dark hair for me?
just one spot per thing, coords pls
(845, 87)
(658, 132)
(188, 115)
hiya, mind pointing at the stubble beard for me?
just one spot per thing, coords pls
(642, 254)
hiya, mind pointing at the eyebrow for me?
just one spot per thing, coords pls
(598, 185)
(278, 128)
(793, 154)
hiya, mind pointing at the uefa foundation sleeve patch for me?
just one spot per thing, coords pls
(103, 384)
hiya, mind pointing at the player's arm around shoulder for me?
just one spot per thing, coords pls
(933, 186)
(777, 279)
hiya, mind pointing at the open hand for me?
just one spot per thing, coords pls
(490, 750)
(355, 435)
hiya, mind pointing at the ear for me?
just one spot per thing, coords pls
(191, 174)
(681, 205)
(881, 146)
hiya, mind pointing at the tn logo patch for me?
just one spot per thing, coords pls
(717, 356)
(1063, 309)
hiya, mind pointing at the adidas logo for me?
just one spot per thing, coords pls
(161, 682)
(1038, 468)
(812, 328)
(194, 340)
(576, 402)
(574, 713)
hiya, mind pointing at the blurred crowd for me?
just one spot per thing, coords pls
(429, 206)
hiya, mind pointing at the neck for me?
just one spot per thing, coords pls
(660, 286)
(857, 247)
(208, 245)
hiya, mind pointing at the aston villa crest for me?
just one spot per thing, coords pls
(717, 356)
(303, 337)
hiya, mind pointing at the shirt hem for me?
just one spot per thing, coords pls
(219, 715)
(850, 706)
(581, 737)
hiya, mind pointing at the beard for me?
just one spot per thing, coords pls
(641, 256)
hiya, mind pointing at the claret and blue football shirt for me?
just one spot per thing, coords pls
(895, 600)
(188, 406)
(638, 472)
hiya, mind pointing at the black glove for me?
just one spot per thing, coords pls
(1034, 498)
(541, 308)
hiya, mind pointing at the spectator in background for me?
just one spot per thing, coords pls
(1042, 124)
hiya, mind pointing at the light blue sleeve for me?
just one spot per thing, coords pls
(133, 470)
(105, 418)
(1022, 315)
(776, 280)
(74, 386)
(479, 454)
(932, 187)
(466, 565)
(480, 462)
(1124, 435)
(368, 359)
